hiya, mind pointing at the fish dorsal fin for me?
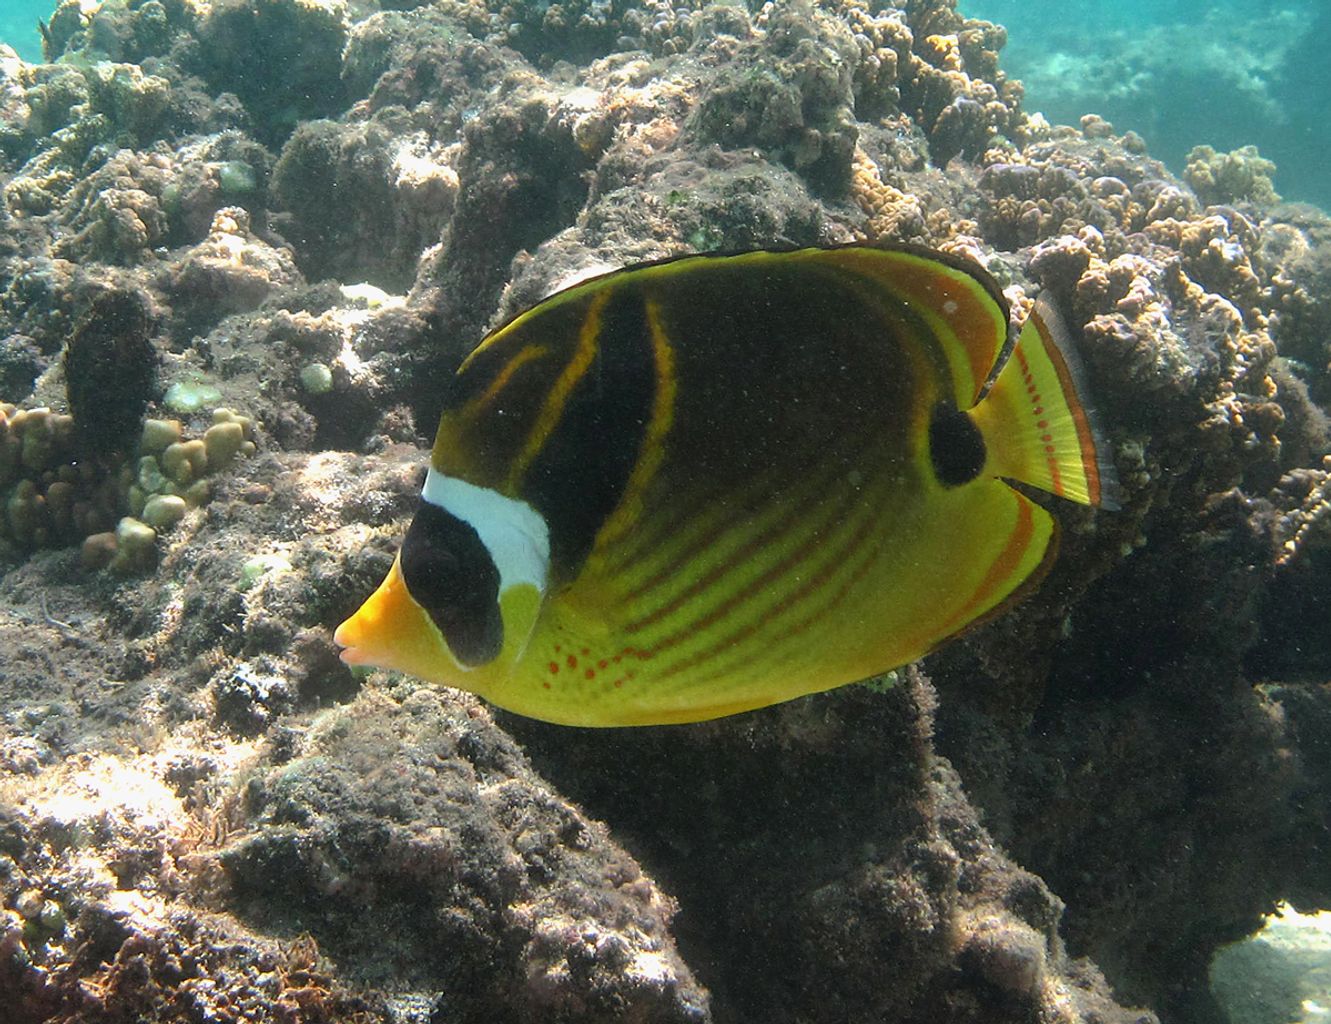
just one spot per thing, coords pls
(949, 296)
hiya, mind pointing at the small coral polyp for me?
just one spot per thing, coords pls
(52, 494)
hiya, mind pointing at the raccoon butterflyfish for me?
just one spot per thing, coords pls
(698, 486)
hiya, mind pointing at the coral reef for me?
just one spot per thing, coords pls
(546, 915)
(895, 870)
(59, 489)
(797, 104)
(240, 42)
(244, 245)
(1230, 177)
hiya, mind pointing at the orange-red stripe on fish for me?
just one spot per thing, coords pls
(814, 495)
(1047, 448)
(1002, 569)
(951, 295)
(810, 584)
(1085, 434)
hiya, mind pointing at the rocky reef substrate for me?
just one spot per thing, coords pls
(244, 244)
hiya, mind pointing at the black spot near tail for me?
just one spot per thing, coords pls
(956, 448)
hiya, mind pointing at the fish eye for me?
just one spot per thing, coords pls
(449, 572)
(956, 448)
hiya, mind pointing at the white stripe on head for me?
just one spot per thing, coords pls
(514, 533)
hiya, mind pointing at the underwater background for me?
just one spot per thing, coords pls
(18, 26)
(245, 244)
(1180, 74)
(1183, 73)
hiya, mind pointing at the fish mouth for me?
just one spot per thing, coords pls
(389, 630)
(369, 635)
(350, 654)
(344, 637)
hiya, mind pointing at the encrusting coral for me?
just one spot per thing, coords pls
(1230, 177)
(273, 228)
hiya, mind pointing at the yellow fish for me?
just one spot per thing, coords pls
(703, 485)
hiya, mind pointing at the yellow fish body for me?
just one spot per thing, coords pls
(695, 487)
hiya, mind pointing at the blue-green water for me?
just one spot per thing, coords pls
(18, 25)
(1182, 73)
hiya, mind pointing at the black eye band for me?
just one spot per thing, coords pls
(450, 574)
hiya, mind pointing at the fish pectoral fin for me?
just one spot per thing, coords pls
(581, 611)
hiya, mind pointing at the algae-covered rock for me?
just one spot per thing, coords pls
(1296, 244)
(427, 805)
(80, 115)
(230, 271)
(118, 31)
(111, 371)
(281, 57)
(363, 199)
(20, 364)
(797, 103)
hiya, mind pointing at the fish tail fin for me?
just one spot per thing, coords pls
(1036, 421)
